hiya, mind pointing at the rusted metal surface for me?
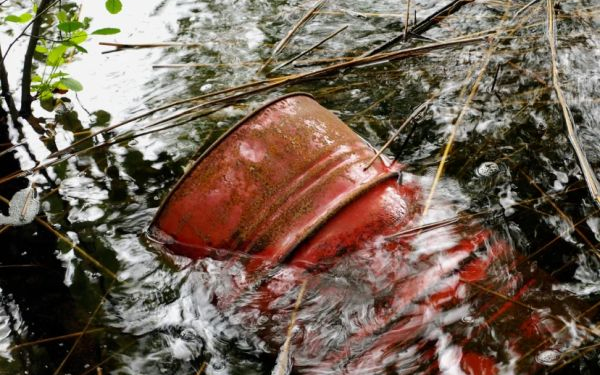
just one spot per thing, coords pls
(270, 184)
(287, 193)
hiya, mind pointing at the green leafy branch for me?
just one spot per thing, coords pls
(58, 34)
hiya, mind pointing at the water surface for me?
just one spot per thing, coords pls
(511, 159)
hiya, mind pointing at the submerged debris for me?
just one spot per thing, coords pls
(24, 207)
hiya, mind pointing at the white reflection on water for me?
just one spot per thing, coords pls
(174, 313)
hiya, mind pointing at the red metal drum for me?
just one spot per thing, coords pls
(287, 192)
(269, 185)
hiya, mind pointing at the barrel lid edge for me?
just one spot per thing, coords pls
(213, 146)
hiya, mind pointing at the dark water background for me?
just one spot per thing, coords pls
(159, 317)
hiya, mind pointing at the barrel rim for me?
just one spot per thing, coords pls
(214, 145)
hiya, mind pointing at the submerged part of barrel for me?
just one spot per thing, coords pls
(287, 191)
(269, 187)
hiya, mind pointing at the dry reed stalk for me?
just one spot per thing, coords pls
(406, 20)
(556, 238)
(422, 26)
(528, 72)
(77, 249)
(158, 109)
(474, 89)
(4, 228)
(557, 333)
(311, 48)
(125, 137)
(373, 105)
(8, 266)
(408, 120)
(584, 164)
(584, 349)
(201, 369)
(194, 65)
(265, 85)
(345, 12)
(286, 39)
(120, 46)
(480, 36)
(527, 306)
(68, 241)
(55, 338)
(83, 332)
(562, 214)
(96, 367)
(455, 125)
(525, 7)
(284, 354)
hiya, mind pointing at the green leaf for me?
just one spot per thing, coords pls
(86, 22)
(113, 6)
(71, 84)
(55, 56)
(106, 31)
(12, 18)
(62, 16)
(41, 49)
(59, 86)
(78, 37)
(25, 17)
(36, 78)
(47, 101)
(58, 74)
(80, 48)
(69, 27)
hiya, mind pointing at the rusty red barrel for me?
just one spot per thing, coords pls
(274, 187)
(291, 184)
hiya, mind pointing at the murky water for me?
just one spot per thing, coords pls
(535, 311)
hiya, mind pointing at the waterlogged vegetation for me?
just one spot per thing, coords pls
(96, 135)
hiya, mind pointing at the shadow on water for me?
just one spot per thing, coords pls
(166, 314)
(36, 304)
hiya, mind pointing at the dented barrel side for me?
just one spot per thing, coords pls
(273, 181)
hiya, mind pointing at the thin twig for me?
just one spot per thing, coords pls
(283, 363)
(373, 105)
(149, 45)
(562, 214)
(264, 85)
(77, 248)
(6, 94)
(422, 26)
(152, 111)
(410, 118)
(83, 332)
(311, 48)
(56, 338)
(38, 15)
(459, 119)
(66, 239)
(108, 358)
(406, 19)
(588, 172)
(129, 46)
(524, 8)
(201, 369)
(126, 137)
(26, 97)
(286, 39)
(560, 331)
(584, 349)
